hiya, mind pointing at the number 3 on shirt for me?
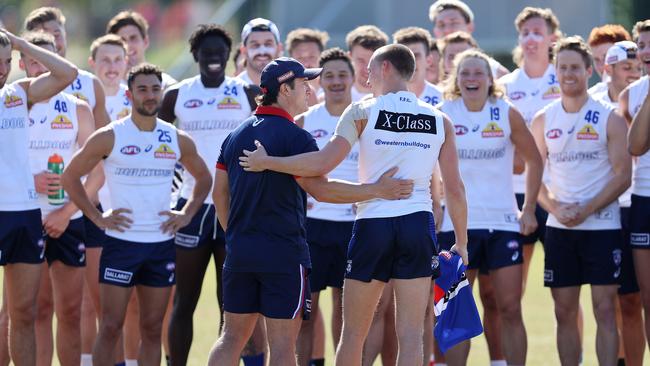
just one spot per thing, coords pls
(163, 136)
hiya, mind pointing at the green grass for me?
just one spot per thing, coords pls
(538, 316)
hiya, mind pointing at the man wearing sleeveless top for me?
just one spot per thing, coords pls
(21, 246)
(392, 240)
(139, 154)
(583, 141)
(635, 106)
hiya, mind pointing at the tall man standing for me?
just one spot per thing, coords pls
(139, 152)
(392, 240)
(583, 141)
(21, 246)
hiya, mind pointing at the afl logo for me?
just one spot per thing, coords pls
(318, 133)
(193, 103)
(461, 130)
(517, 95)
(130, 150)
(554, 133)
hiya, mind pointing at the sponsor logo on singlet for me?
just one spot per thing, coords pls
(587, 132)
(130, 150)
(319, 133)
(193, 103)
(552, 93)
(61, 122)
(228, 103)
(516, 95)
(554, 133)
(123, 113)
(406, 122)
(164, 152)
(13, 101)
(461, 130)
(492, 130)
(80, 96)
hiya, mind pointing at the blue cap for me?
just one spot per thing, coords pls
(282, 70)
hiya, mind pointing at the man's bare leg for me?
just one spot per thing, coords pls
(22, 282)
(359, 301)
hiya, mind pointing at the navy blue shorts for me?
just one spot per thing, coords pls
(629, 284)
(541, 215)
(274, 295)
(95, 236)
(487, 250)
(640, 222)
(69, 248)
(21, 237)
(202, 230)
(126, 263)
(577, 257)
(328, 246)
(402, 247)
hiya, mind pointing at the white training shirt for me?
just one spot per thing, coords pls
(118, 106)
(641, 176)
(322, 125)
(358, 95)
(401, 131)
(431, 94)
(209, 115)
(17, 191)
(245, 78)
(53, 129)
(625, 200)
(139, 173)
(485, 154)
(83, 87)
(578, 158)
(529, 96)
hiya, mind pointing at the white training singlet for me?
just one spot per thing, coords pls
(485, 155)
(83, 88)
(245, 78)
(578, 160)
(357, 95)
(53, 129)
(139, 173)
(118, 106)
(17, 191)
(598, 88)
(209, 115)
(401, 131)
(641, 176)
(625, 200)
(431, 94)
(529, 96)
(167, 80)
(322, 125)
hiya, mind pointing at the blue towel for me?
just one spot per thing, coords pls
(455, 309)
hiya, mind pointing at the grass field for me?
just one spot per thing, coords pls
(538, 315)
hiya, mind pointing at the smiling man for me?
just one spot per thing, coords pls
(208, 107)
(260, 44)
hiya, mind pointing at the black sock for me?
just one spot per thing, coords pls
(317, 362)
(621, 362)
(168, 360)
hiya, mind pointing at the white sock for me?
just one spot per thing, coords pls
(498, 363)
(439, 364)
(86, 359)
(130, 362)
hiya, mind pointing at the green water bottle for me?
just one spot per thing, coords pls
(55, 166)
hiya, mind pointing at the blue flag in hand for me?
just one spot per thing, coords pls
(457, 318)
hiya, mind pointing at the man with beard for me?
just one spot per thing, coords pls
(21, 245)
(583, 142)
(139, 153)
(133, 28)
(260, 44)
(208, 107)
